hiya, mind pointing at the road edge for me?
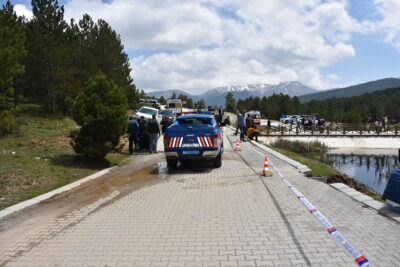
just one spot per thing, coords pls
(36, 200)
(301, 167)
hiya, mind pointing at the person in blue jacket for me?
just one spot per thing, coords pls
(133, 130)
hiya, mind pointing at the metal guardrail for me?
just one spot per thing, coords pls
(330, 130)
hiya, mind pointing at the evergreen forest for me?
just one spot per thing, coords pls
(346, 109)
(49, 61)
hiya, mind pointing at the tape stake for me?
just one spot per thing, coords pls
(358, 258)
(331, 230)
(361, 260)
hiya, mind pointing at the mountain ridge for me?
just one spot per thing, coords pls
(216, 96)
(353, 90)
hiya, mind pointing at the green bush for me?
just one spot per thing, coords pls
(100, 111)
(7, 122)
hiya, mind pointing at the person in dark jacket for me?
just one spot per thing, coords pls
(165, 123)
(133, 130)
(144, 139)
(154, 131)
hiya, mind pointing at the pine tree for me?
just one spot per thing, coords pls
(46, 60)
(100, 111)
(230, 103)
(12, 53)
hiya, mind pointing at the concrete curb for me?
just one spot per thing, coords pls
(30, 202)
(302, 168)
(367, 200)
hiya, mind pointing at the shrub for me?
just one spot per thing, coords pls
(7, 122)
(314, 150)
(100, 111)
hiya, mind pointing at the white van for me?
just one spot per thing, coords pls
(150, 102)
(175, 105)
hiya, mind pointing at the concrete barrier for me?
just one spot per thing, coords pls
(343, 141)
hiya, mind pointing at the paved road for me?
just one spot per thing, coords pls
(202, 216)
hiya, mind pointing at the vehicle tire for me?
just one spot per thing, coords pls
(218, 160)
(172, 163)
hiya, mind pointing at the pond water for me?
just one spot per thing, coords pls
(371, 167)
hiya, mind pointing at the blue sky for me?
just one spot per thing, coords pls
(199, 45)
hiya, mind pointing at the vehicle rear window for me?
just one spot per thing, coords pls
(195, 121)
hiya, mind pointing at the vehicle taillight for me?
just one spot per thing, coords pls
(215, 140)
(165, 141)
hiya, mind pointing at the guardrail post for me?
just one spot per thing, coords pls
(297, 130)
(268, 129)
(395, 130)
(360, 131)
(327, 130)
(344, 131)
(312, 130)
(282, 130)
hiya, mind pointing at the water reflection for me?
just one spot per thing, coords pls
(371, 167)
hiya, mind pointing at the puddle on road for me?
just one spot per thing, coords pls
(124, 180)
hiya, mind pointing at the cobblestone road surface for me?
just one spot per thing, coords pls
(212, 217)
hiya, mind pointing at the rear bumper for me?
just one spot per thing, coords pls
(205, 154)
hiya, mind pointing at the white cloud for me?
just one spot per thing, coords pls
(22, 10)
(247, 41)
(390, 23)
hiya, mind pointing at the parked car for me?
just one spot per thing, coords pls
(169, 113)
(284, 118)
(193, 137)
(148, 112)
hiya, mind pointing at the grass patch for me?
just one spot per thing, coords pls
(334, 176)
(38, 157)
(317, 168)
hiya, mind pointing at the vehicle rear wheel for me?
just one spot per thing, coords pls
(218, 160)
(172, 163)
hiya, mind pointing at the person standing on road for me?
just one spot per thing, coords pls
(237, 122)
(165, 123)
(249, 122)
(133, 130)
(144, 139)
(154, 131)
(242, 126)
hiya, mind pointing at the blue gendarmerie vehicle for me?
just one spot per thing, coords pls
(193, 137)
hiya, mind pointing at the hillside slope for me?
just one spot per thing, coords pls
(355, 90)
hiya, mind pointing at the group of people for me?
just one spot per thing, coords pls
(247, 127)
(143, 133)
(379, 123)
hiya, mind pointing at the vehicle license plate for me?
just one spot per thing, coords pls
(190, 152)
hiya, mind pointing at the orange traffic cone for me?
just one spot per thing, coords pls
(266, 172)
(237, 147)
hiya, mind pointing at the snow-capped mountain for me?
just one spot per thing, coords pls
(216, 96)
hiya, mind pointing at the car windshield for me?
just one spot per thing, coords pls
(148, 111)
(167, 112)
(195, 121)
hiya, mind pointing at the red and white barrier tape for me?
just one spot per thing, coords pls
(358, 257)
